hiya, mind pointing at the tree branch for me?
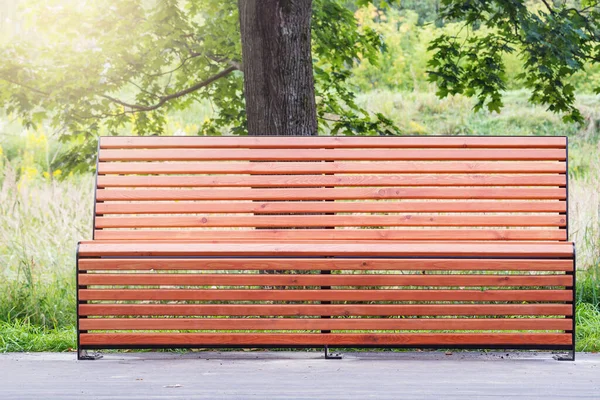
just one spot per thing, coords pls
(9, 80)
(163, 99)
(548, 6)
(181, 64)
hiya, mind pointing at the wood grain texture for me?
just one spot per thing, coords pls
(336, 167)
(328, 324)
(338, 235)
(325, 280)
(338, 220)
(317, 339)
(265, 142)
(331, 180)
(447, 193)
(253, 264)
(330, 207)
(331, 154)
(346, 310)
(504, 249)
(324, 295)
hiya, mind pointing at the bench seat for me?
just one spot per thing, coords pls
(437, 242)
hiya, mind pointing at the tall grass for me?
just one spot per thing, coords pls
(42, 217)
(40, 223)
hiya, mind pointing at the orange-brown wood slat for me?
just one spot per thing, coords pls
(330, 167)
(418, 264)
(454, 193)
(333, 234)
(337, 220)
(330, 207)
(325, 280)
(328, 324)
(325, 295)
(346, 310)
(508, 249)
(331, 141)
(332, 180)
(330, 154)
(317, 339)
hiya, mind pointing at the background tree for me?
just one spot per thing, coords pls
(277, 65)
(109, 65)
(124, 65)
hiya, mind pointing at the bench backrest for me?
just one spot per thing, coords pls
(367, 188)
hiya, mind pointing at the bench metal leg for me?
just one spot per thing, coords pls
(332, 356)
(569, 356)
(88, 355)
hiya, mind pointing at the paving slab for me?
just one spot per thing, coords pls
(299, 375)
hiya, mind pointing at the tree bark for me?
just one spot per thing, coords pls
(277, 66)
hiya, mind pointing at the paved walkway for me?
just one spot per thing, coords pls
(299, 375)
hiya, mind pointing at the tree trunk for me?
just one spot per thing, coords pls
(277, 66)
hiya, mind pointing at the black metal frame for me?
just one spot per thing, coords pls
(82, 350)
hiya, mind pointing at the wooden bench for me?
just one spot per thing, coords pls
(409, 242)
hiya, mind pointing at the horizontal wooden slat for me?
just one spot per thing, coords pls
(330, 207)
(328, 324)
(331, 180)
(418, 264)
(328, 220)
(329, 167)
(506, 249)
(282, 142)
(336, 234)
(316, 339)
(338, 310)
(331, 154)
(333, 194)
(325, 280)
(325, 295)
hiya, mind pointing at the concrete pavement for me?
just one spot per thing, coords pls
(299, 375)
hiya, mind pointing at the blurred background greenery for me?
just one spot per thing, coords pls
(45, 209)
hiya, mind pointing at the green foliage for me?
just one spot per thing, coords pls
(555, 42)
(338, 45)
(402, 64)
(125, 65)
